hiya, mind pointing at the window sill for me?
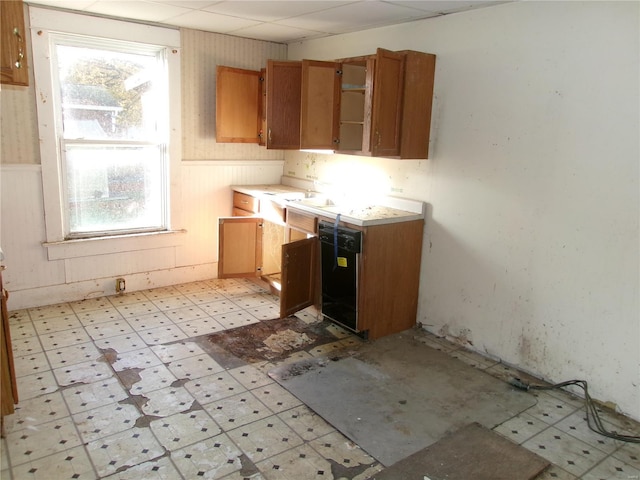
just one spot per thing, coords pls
(87, 247)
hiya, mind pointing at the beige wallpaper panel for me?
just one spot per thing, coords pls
(201, 53)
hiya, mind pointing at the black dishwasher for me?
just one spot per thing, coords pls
(340, 256)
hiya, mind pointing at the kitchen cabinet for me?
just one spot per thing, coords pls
(283, 81)
(9, 389)
(378, 105)
(320, 105)
(238, 105)
(253, 243)
(260, 107)
(388, 266)
(381, 104)
(13, 67)
(389, 277)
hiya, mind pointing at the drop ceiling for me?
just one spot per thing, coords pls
(275, 21)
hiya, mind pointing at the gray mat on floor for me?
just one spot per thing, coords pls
(473, 452)
(396, 395)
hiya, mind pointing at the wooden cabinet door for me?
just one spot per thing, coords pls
(298, 275)
(13, 47)
(238, 104)
(239, 247)
(9, 388)
(283, 104)
(387, 103)
(320, 105)
(417, 104)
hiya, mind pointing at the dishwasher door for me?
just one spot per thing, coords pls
(340, 256)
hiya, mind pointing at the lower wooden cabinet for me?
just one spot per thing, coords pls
(9, 392)
(389, 266)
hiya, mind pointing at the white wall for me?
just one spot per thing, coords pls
(531, 245)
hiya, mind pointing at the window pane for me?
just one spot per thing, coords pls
(111, 188)
(107, 94)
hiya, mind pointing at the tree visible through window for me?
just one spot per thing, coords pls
(113, 113)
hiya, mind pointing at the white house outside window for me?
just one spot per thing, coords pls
(109, 124)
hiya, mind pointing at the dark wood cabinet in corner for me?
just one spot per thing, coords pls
(13, 46)
(9, 388)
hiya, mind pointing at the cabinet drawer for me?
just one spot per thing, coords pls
(245, 202)
(302, 221)
(238, 212)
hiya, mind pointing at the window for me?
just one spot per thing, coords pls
(110, 132)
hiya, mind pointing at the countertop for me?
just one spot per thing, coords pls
(385, 209)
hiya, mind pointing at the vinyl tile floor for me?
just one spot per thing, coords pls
(120, 387)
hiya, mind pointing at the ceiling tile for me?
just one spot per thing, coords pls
(276, 33)
(271, 10)
(148, 11)
(353, 16)
(212, 22)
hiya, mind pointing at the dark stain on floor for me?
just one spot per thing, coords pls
(271, 340)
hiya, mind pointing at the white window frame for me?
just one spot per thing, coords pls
(45, 22)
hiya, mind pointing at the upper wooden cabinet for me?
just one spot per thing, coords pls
(283, 104)
(238, 105)
(259, 106)
(320, 105)
(378, 105)
(13, 69)
(383, 104)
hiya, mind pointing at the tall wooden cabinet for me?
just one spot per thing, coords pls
(9, 388)
(13, 47)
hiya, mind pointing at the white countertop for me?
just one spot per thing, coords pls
(385, 210)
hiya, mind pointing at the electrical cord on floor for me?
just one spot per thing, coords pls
(593, 418)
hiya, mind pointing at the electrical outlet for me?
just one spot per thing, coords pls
(120, 285)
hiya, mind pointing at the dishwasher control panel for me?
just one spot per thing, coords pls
(344, 238)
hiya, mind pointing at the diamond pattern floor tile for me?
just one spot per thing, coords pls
(83, 397)
(105, 421)
(73, 464)
(131, 447)
(237, 410)
(212, 458)
(265, 438)
(183, 429)
(49, 438)
(568, 452)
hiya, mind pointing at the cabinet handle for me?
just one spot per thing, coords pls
(18, 62)
(269, 134)
(378, 138)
